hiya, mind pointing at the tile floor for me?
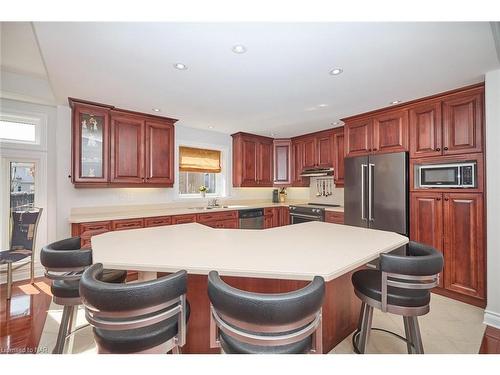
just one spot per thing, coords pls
(450, 327)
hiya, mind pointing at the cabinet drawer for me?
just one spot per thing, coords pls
(87, 230)
(334, 217)
(216, 216)
(184, 219)
(157, 221)
(128, 224)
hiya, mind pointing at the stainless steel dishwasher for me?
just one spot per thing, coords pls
(252, 218)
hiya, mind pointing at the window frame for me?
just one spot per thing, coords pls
(36, 118)
(222, 177)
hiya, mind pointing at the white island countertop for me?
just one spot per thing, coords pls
(295, 252)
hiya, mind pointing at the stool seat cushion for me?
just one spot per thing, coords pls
(70, 288)
(139, 339)
(369, 283)
(233, 346)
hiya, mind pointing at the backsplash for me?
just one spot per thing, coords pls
(322, 190)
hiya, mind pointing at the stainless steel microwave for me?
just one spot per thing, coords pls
(451, 175)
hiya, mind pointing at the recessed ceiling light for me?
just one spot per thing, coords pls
(272, 134)
(239, 48)
(322, 105)
(156, 109)
(210, 127)
(311, 109)
(336, 71)
(180, 66)
(395, 102)
(335, 123)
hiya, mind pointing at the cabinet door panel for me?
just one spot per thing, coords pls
(184, 219)
(127, 224)
(310, 156)
(463, 124)
(425, 130)
(426, 221)
(265, 164)
(325, 150)
(464, 244)
(90, 144)
(390, 132)
(338, 159)
(127, 150)
(87, 230)
(358, 137)
(249, 170)
(159, 153)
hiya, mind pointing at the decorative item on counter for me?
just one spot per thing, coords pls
(203, 190)
(282, 194)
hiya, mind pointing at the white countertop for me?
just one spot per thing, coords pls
(296, 252)
(92, 214)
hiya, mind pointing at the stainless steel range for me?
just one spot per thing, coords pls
(308, 212)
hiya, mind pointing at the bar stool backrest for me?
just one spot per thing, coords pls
(266, 319)
(418, 270)
(128, 306)
(65, 260)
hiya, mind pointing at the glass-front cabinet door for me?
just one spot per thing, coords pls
(91, 144)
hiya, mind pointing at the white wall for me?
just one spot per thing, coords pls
(492, 312)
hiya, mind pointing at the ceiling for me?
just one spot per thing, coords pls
(278, 85)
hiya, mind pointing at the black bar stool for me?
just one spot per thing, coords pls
(401, 286)
(144, 317)
(259, 323)
(64, 263)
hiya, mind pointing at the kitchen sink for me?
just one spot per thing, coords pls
(214, 207)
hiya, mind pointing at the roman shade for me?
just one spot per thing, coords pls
(199, 160)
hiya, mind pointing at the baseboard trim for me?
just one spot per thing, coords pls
(492, 318)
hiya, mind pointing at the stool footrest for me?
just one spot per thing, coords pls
(358, 331)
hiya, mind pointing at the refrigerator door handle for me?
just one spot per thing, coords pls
(371, 172)
(363, 203)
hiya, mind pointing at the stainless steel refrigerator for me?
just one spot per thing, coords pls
(376, 192)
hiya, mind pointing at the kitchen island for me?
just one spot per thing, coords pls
(274, 260)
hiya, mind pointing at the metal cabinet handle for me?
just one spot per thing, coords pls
(438, 149)
(370, 191)
(446, 148)
(446, 199)
(438, 199)
(363, 167)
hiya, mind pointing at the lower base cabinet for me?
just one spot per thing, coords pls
(334, 217)
(454, 224)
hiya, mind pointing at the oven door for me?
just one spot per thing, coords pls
(302, 218)
(440, 176)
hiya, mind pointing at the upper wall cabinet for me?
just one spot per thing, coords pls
(252, 160)
(451, 126)
(383, 132)
(90, 141)
(463, 122)
(119, 148)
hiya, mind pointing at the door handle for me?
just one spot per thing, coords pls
(363, 167)
(371, 168)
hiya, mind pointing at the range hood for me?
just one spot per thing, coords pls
(317, 172)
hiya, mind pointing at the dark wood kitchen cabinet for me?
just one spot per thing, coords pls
(86, 230)
(272, 217)
(386, 131)
(463, 122)
(450, 126)
(358, 137)
(127, 149)
(425, 130)
(298, 163)
(90, 144)
(464, 244)
(159, 161)
(224, 219)
(127, 224)
(390, 132)
(252, 160)
(113, 147)
(453, 223)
